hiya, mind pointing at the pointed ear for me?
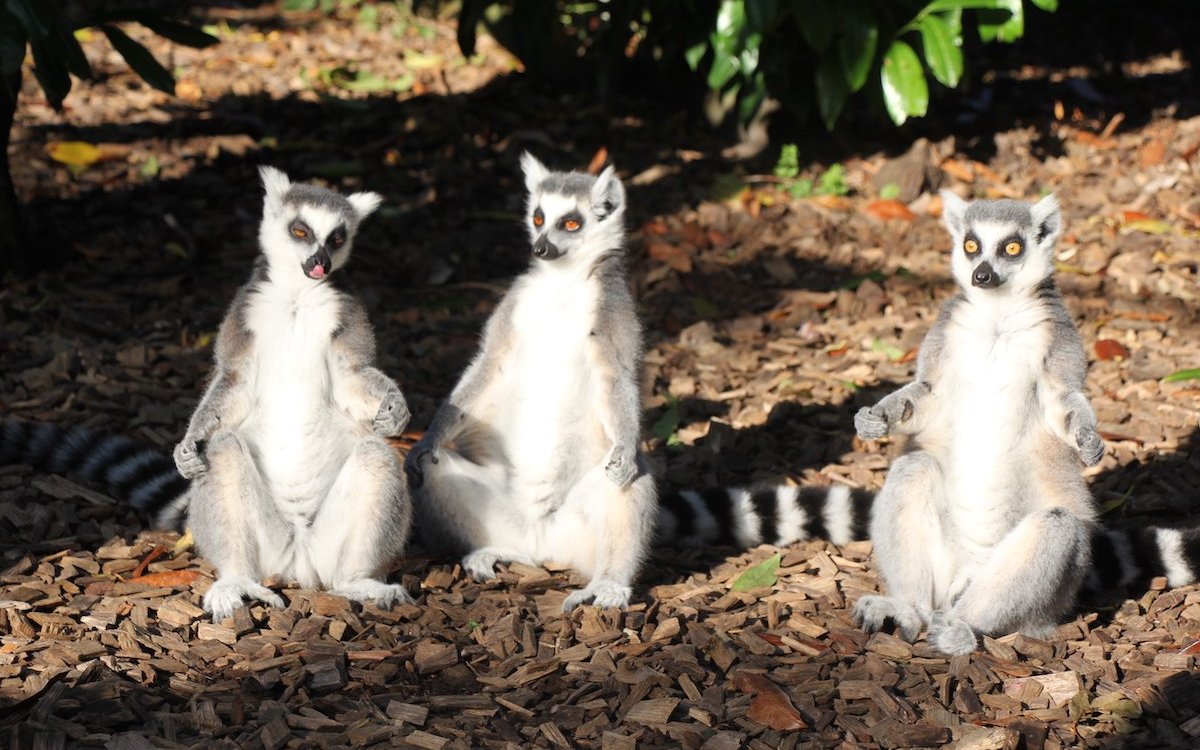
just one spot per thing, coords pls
(364, 203)
(276, 185)
(954, 210)
(534, 171)
(608, 194)
(1047, 220)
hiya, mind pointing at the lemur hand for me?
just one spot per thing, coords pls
(393, 414)
(1090, 445)
(414, 463)
(188, 460)
(872, 423)
(622, 467)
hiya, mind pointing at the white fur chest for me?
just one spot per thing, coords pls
(291, 383)
(548, 373)
(987, 418)
(994, 356)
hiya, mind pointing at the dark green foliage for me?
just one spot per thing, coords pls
(48, 32)
(46, 29)
(813, 56)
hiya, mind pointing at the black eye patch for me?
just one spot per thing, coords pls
(337, 237)
(300, 230)
(571, 222)
(1003, 245)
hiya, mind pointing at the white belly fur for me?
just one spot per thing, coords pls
(545, 382)
(294, 427)
(987, 423)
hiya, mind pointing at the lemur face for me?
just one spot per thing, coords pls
(308, 227)
(572, 216)
(1001, 246)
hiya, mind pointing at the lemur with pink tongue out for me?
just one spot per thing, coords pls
(284, 470)
(291, 475)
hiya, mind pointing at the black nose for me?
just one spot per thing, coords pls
(985, 277)
(545, 249)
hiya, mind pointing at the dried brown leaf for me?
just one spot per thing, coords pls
(770, 706)
(1107, 349)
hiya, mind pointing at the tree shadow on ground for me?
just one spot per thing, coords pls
(794, 439)
(448, 166)
(439, 158)
(1160, 492)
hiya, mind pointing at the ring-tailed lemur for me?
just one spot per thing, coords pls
(985, 524)
(289, 471)
(535, 456)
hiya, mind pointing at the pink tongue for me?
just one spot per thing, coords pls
(317, 272)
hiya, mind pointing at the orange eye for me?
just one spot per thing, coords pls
(971, 246)
(299, 233)
(1013, 248)
(571, 225)
(538, 220)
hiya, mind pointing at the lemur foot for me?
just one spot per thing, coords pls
(188, 461)
(392, 416)
(368, 589)
(622, 467)
(1091, 445)
(871, 424)
(227, 593)
(951, 635)
(872, 612)
(600, 593)
(481, 563)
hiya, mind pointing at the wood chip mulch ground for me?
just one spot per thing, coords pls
(770, 319)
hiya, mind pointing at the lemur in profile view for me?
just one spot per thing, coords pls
(985, 524)
(283, 470)
(535, 455)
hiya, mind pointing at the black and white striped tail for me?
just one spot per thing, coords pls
(778, 515)
(129, 470)
(1122, 558)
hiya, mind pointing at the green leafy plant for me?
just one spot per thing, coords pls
(43, 29)
(758, 576)
(307, 6)
(823, 52)
(800, 188)
(1181, 375)
(810, 55)
(833, 181)
(787, 168)
(665, 429)
(364, 81)
(788, 165)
